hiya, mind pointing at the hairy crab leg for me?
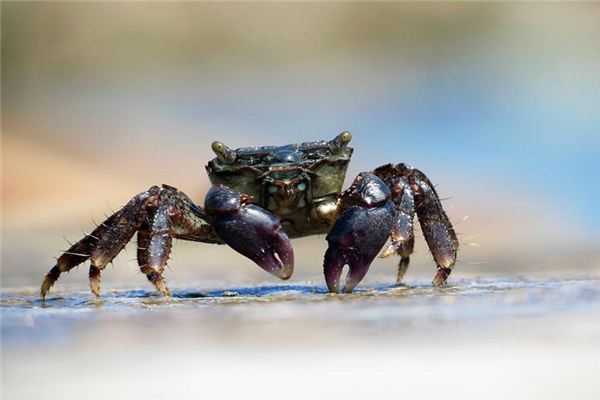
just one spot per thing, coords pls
(152, 272)
(105, 237)
(75, 255)
(158, 214)
(158, 242)
(118, 234)
(419, 195)
(402, 237)
(176, 217)
(437, 229)
(143, 242)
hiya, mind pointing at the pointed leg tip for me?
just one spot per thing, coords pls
(159, 284)
(400, 279)
(95, 289)
(441, 277)
(402, 268)
(49, 279)
(45, 288)
(438, 283)
(94, 279)
(163, 290)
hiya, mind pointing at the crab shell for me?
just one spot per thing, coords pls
(299, 183)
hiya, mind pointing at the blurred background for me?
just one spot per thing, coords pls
(499, 103)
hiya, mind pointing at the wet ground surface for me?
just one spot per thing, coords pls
(492, 326)
(465, 300)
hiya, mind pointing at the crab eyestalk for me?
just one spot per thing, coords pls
(224, 153)
(340, 142)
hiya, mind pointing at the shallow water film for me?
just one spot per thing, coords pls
(540, 334)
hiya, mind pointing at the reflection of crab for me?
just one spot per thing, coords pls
(263, 195)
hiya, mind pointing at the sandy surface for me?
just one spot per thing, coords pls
(501, 337)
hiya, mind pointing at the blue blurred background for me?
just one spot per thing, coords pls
(499, 103)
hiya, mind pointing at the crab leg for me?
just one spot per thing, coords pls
(413, 192)
(154, 246)
(118, 234)
(153, 267)
(75, 255)
(436, 226)
(158, 215)
(402, 238)
(360, 232)
(176, 217)
(102, 245)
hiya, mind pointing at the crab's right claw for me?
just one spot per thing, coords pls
(250, 230)
(360, 232)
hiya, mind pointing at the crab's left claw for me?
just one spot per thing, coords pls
(250, 230)
(360, 232)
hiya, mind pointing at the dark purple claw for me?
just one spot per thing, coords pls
(250, 230)
(359, 233)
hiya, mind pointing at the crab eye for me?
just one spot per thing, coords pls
(272, 189)
(301, 186)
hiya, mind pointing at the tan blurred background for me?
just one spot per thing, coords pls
(497, 103)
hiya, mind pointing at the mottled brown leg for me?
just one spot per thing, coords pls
(404, 260)
(118, 234)
(436, 226)
(175, 217)
(104, 243)
(413, 192)
(159, 214)
(402, 237)
(143, 242)
(94, 276)
(157, 241)
(153, 276)
(75, 255)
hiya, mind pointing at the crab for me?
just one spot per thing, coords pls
(263, 196)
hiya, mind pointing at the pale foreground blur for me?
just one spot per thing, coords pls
(497, 103)
(497, 338)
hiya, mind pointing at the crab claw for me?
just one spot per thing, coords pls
(360, 232)
(250, 230)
